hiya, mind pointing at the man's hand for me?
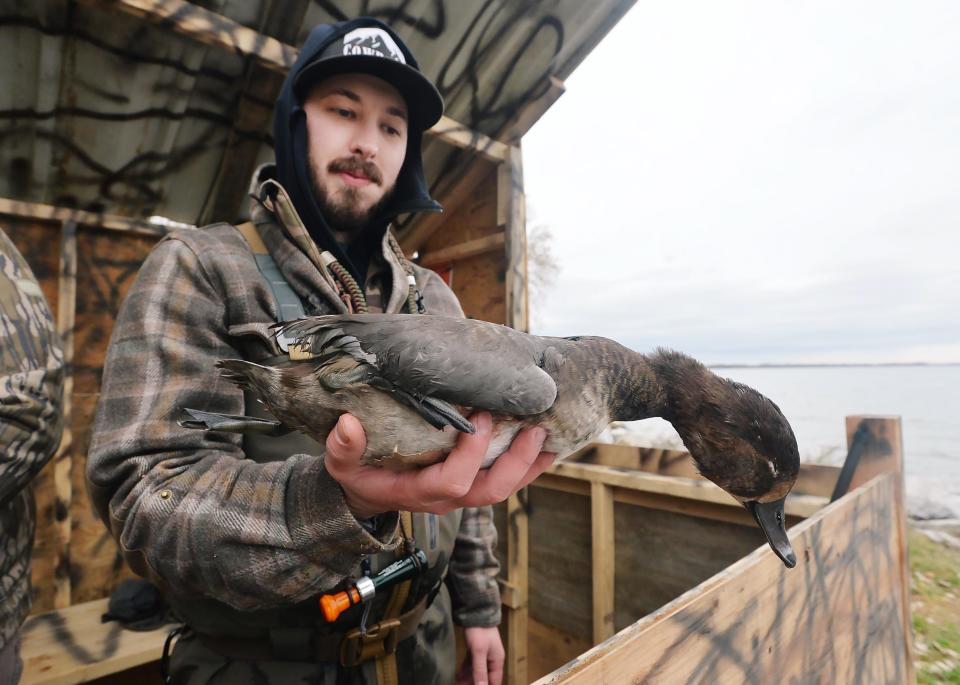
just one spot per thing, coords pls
(484, 662)
(451, 484)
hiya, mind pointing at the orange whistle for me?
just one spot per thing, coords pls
(334, 605)
(366, 587)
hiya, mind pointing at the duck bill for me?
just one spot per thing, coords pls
(771, 518)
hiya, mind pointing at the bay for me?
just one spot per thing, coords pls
(815, 399)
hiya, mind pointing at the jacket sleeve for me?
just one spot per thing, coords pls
(188, 510)
(472, 576)
(31, 375)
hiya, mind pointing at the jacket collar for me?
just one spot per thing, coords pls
(302, 262)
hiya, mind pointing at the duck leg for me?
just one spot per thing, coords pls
(230, 423)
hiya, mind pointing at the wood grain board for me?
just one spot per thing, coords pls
(72, 645)
(835, 618)
(814, 479)
(84, 273)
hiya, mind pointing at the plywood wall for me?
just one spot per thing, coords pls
(39, 244)
(838, 617)
(87, 566)
(478, 281)
(108, 262)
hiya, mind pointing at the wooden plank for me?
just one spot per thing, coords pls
(62, 461)
(477, 281)
(550, 647)
(462, 137)
(210, 28)
(509, 594)
(108, 266)
(814, 479)
(661, 554)
(518, 561)
(478, 284)
(604, 552)
(531, 112)
(701, 490)
(561, 561)
(72, 646)
(454, 192)
(687, 507)
(665, 462)
(74, 557)
(204, 26)
(33, 210)
(465, 250)
(883, 453)
(678, 505)
(658, 556)
(253, 113)
(511, 215)
(836, 618)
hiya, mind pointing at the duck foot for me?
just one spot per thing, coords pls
(230, 423)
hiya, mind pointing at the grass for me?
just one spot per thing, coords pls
(935, 607)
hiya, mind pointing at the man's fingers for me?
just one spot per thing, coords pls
(345, 444)
(454, 476)
(479, 662)
(508, 471)
(495, 666)
(347, 437)
(542, 463)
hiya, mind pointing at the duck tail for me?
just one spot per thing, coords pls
(239, 371)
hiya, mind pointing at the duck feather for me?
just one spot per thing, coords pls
(425, 361)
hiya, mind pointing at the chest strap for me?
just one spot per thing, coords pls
(378, 641)
(289, 306)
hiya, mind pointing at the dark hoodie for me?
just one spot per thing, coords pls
(291, 147)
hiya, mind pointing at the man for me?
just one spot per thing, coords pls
(246, 534)
(31, 401)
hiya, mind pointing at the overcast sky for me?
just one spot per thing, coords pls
(759, 182)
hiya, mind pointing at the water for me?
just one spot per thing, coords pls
(816, 400)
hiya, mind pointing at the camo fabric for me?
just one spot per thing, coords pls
(31, 386)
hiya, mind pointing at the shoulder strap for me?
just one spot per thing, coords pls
(289, 306)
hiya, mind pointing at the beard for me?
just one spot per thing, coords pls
(343, 209)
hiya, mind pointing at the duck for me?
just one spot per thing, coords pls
(412, 381)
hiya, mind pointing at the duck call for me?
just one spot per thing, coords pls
(366, 588)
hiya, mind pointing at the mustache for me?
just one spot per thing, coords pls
(356, 166)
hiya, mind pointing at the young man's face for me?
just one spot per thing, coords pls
(357, 130)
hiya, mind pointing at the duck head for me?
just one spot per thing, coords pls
(738, 438)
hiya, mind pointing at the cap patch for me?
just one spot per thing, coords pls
(372, 42)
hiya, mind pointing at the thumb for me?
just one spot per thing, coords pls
(346, 442)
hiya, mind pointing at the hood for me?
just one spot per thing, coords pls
(290, 147)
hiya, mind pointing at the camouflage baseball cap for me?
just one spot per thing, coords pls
(368, 46)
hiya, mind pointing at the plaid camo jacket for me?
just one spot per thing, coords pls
(188, 510)
(31, 386)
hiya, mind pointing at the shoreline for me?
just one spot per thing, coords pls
(847, 365)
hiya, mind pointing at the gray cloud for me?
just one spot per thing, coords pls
(759, 185)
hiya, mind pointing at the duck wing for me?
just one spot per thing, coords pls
(462, 361)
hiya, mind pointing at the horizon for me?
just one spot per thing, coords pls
(781, 365)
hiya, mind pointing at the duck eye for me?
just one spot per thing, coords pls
(779, 517)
